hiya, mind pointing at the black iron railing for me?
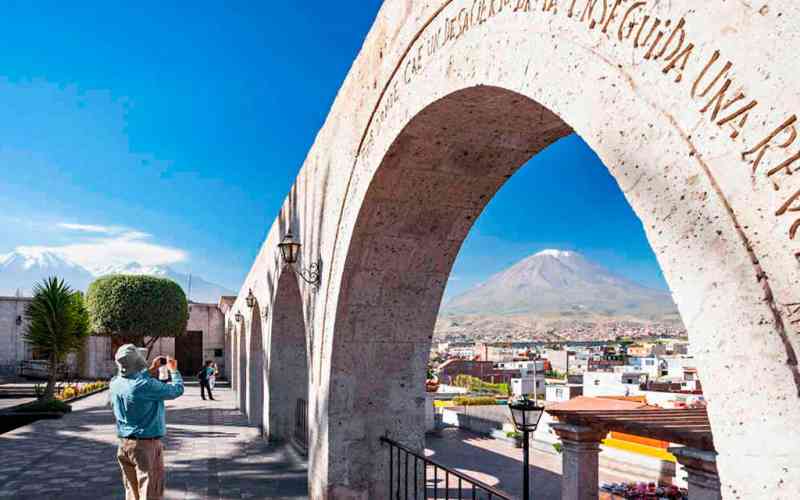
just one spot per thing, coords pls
(413, 476)
(301, 422)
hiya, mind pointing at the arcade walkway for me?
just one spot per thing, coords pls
(212, 453)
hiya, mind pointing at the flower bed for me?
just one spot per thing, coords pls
(644, 491)
(72, 392)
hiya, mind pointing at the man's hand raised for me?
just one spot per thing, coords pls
(172, 363)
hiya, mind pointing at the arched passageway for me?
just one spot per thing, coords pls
(288, 359)
(241, 349)
(255, 368)
(448, 99)
(431, 186)
(229, 372)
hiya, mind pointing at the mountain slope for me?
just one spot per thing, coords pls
(21, 269)
(559, 283)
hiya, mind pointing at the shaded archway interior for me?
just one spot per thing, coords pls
(288, 359)
(255, 369)
(241, 365)
(431, 186)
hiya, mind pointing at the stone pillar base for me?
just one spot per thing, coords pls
(701, 469)
(580, 454)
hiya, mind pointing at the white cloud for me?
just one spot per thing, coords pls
(88, 228)
(117, 247)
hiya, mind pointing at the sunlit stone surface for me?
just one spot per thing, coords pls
(691, 107)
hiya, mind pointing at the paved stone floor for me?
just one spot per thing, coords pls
(211, 453)
(499, 463)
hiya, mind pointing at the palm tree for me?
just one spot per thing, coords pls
(58, 323)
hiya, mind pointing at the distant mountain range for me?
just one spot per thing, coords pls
(557, 284)
(20, 270)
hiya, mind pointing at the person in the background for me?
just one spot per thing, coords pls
(204, 376)
(212, 380)
(138, 402)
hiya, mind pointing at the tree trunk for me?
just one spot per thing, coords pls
(52, 374)
(149, 344)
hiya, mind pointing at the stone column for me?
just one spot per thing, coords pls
(580, 455)
(701, 469)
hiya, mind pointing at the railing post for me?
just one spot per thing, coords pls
(701, 468)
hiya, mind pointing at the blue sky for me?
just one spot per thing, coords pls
(170, 132)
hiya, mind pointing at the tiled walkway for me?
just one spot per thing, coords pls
(211, 453)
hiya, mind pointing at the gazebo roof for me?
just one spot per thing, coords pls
(689, 427)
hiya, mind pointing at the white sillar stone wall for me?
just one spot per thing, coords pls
(692, 108)
(12, 345)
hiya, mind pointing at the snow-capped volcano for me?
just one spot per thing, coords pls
(558, 283)
(21, 269)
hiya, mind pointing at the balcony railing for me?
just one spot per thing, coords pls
(413, 476)
(301, 423)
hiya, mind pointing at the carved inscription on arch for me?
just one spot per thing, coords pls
(708, 77)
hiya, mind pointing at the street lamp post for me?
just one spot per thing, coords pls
(526, 415)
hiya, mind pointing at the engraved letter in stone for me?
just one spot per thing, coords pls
(762, 147)
(588, 13)
(612, 15)
(632, 24)
(682, 36)
(787, 207)
(684, 56)
(523, 5)
(711, 85)
(659, 37)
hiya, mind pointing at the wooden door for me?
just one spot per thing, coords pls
(189, 352)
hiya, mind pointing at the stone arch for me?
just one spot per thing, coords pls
(288, 367)
(447, 99)
(255, 368)
(241, 349)
(431, 185)
(229, 372)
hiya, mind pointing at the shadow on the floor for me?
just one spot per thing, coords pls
(452, 450)
(68, 460)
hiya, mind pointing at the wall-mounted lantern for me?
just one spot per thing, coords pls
(251, 299)
(19, 320)
(238, 317)
(290, 252)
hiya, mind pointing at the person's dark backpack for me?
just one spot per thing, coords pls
(202, 374)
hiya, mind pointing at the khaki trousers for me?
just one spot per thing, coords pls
(142, 464)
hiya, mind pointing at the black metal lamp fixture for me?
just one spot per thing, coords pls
(526, 415)
(238, 317)
(19, 320)
(290, 252)
(251, 299)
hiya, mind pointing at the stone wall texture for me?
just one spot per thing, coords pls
(690, 105)
(12, 346)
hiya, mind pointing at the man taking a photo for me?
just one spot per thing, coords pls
(138, 401)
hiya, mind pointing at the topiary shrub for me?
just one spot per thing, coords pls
(133, 308)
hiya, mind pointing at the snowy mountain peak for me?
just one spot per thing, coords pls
(31, 257)
(560, 283)
(558, 254)
(26, 266)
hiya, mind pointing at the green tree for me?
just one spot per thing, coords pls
(137, 309)
(58, 324)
